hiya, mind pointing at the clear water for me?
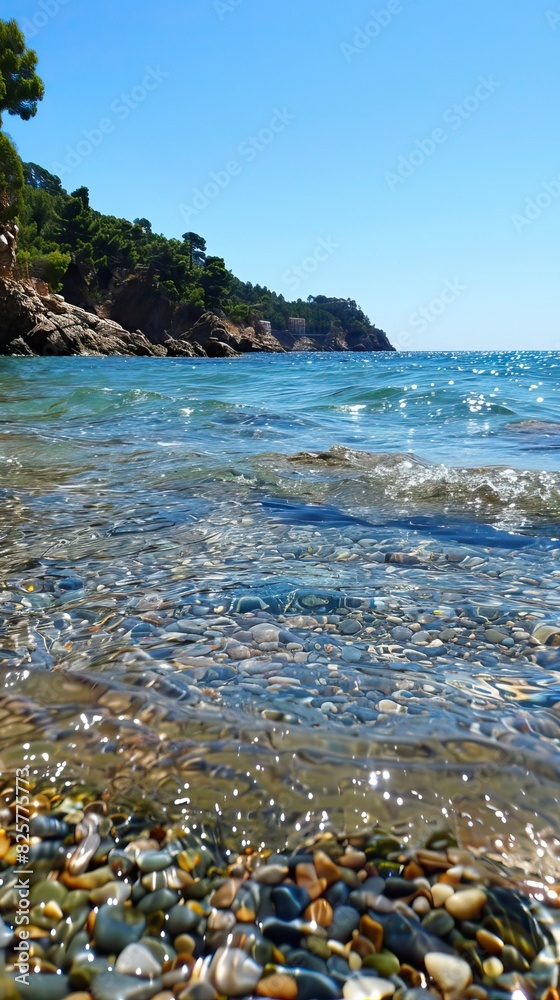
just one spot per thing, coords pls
(136, 491)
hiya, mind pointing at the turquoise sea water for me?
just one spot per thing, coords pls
(138, 494)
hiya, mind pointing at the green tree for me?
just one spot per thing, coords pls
(196, 249)
(216, 281)
(11, 180)
(20, 87)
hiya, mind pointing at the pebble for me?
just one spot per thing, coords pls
(467, 904)
(265, 633)
(441, 893)
(350, 626)
(368, 988)
(492, 967)
(453, 975)
(279, 986)
(234, 973)
(137, 960)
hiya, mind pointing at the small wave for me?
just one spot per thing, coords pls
(407, 482)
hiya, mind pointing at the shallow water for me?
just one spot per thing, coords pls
(305, 491)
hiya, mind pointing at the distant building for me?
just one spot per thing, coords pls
(297, 326)
(265, 326)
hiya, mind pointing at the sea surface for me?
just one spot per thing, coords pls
(393, 518)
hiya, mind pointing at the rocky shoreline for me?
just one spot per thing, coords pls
(36, 322)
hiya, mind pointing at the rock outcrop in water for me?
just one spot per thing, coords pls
(33, 321)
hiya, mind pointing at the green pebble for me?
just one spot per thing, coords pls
(163, 899)
(385, 963)
(318, 946)
(386, 868)
(512, 961)
(74, 901)
(262, 952)
(381, 846)
(154, 861)
(84, 970)
(49, 892)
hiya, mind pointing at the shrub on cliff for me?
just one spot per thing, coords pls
(50, 267)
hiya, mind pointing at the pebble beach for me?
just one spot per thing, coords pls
(280, 701)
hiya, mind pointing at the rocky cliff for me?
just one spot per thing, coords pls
(33, 321)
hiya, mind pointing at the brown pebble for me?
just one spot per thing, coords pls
(52, 910)
(325, 867)
(223, 897)
(476, 993)
(490, 942)
(279, 986)
(184, 944)
(320, 911)
(188, 860)
(551, 994)
(305, 873)
(372, 930)
(306, 877)
(89, 880)
(183, 961)
(433, 860)
(411, 976)
(4, 844)
(245, 915)
(412, 870)
(363, 946)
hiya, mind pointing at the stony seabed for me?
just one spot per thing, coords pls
(279, 696)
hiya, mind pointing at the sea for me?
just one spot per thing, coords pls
(279, 595)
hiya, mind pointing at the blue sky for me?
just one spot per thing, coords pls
(404, 154)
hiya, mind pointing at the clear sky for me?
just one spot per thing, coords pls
(404, 153)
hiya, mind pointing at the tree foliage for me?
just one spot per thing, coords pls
(20, 86)
(11, 180)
